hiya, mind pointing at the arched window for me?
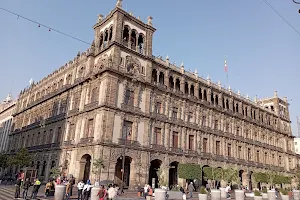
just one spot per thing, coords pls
(54, 87)
(212, 99)
(237, 107)
(177, 85)
(133, 40)
(69, 79)
(101, 41)
(171, 82)
(227, 104)
(186, 88)
(44, 168)
(81, 72)
(105, 38)
(246, 111)
(126, 36)
(110, 33)
(154, 76)
(60, 83)
(143, 70)
(141, 44)
(205, 95)
(192, 90)
(200, 93)
(217, 100)
(161, 78)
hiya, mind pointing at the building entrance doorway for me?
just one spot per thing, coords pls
(85, 167)
(119, 171)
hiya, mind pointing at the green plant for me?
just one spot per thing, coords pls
(161, 178)
(264, 190)
(257, 193)
(213, 174)
(175, 188)
(21, 159)
(55, 172)
(202, 190)
(98, 165)
(260, 177)
(231, 175)
(284, 192)
(189, 171)
(4, 161)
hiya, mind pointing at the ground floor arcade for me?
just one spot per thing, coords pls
(140, 167)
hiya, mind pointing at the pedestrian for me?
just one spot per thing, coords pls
(72, 182)
(36, 187)
(26, 186)
(102, 193)
(191, 189)
(17, 188)
(68, 190)
(48, 188)
(227, 190)
(112, 193)
(87, 190)
(80, 186)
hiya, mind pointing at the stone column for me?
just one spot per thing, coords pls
(182, 142)
(167, 136)
(196, 91)
(133, 175)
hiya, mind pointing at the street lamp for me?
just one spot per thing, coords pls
(296, 2)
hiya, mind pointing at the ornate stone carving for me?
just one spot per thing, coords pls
(133, 66)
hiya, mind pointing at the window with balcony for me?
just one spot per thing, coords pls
(158, 136)
(218, 147)
(229, 150)
(191, 142)
(240, 152)
(249, 154)
(127, 130)
(158, 108)
(129, 98)
(174, 113)
(266, 157)
(175, 139)
(59, 136)
(90, 128)
(204, 145)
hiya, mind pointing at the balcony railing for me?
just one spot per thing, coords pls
(86, 140)
(123, 141)
(158, 147)
(176, 150)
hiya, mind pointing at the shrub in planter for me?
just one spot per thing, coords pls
(202, 193)
(284, 194)
(257, 195)
(264, 190)
(264, 193)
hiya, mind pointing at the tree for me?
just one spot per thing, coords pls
(161, 177)
(232, 176)
(189, 171)
(21, 159)
(272, 177)
(55, 172)
(261, 177)
(98, 165)
(4, 161)
(213, 174)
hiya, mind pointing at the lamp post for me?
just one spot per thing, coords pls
(296, 2)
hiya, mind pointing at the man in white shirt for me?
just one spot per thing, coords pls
(80, 186)
(227, 190)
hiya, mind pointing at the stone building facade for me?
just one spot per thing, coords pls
(117, 99)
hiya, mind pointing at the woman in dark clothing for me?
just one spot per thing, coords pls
(26, 186)
(18, 185)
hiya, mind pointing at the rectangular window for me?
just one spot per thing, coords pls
(257, 156)
(175, 139)
(76, 101)
(127, 130)
(59, 135)
(249, 154)
(240, 152)
(204, 145)
(158, 136)
(229, 150)
(90, 129)
(280, 161)
(191, 142)
(266, 158)
(174, 113)
(216, 124)
(129, 98)
(190, 117)
(218, 147)
(71, 135)
(158, 108)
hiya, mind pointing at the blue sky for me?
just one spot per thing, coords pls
(262, 50)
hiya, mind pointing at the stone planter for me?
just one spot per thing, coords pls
(174, 195)
(223, 193)
(285, 197)
(264, 195)
(60, 192)
(258, 197)
(202, 196)
(94, 192)
(160, 194)
(215, 194)
(271, 195)
(296, 194)
(239, 194)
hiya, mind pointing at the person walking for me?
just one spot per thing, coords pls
(80, 186)
(112, 193)
(17, 188)
(36, 187)
(102, 193)
(68, 189)
(191, 189)
(227, 190)
(26, 186)
(87, 190)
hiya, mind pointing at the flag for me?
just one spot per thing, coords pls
(225, 66)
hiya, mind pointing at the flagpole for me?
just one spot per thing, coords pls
(226, 70)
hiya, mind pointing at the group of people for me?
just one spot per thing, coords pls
(25, 185)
